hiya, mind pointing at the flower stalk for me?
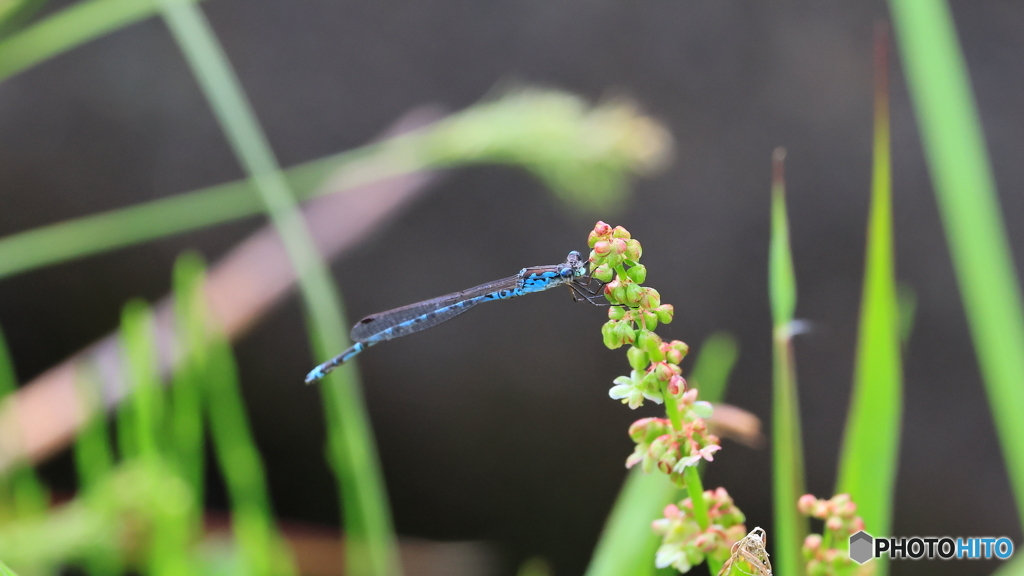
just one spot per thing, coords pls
(705, 525)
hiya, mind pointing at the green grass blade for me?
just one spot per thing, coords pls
(15, 13)
(139, 344)
(1012, 567)
(67, 29)
(787, 445)
(371, 544)
(713, 366)
(627, 545)
(5, 571)
(252, 520)
(21, 492)
(500, 131)
(210, 371)
(965, 189)
(180, 213)
(172, 532)
(868, 463)
(94, 456)
(186, 389)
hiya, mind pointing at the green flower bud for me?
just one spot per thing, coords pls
(650, 381)
(672, 355)
(604, 273)
(620, 292)
(650, 299)
(656, 355)
(633, 250)
(652, 344)
(616, 312)
(681, 346)
(641, 339)
(665, 313)
(610, 335)
(638, 359)
(637, 273)
(625, 332)
(620, 232)
(632, 294)
(650, 320)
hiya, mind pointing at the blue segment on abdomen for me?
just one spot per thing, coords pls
(538, 282)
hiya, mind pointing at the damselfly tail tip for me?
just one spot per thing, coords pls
(315, 375)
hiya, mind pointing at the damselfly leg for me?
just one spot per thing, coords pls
(585, 292)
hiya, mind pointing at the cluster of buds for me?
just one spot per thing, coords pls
(828, 554)
(638, 309)
(655, 372)
(672, 444)
(659, 445)
(684, 544)
(632, 319)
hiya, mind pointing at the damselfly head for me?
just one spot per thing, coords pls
(575, 265)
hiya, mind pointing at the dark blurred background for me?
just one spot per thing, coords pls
(497, 426)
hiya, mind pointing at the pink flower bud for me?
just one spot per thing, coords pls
(662, 372)
(834, 523)
(676, 385)
(602, 229)
(671, 511)
(672, 355)
(638, 429)
(602, 247)
(690, 396)
(821, 509)
(847, 510)
(806, 504)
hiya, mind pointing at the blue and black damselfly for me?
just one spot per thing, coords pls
(429, 313)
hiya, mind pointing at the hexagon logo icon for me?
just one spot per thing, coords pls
(860, 547)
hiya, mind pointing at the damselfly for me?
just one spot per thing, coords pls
(429, 313)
